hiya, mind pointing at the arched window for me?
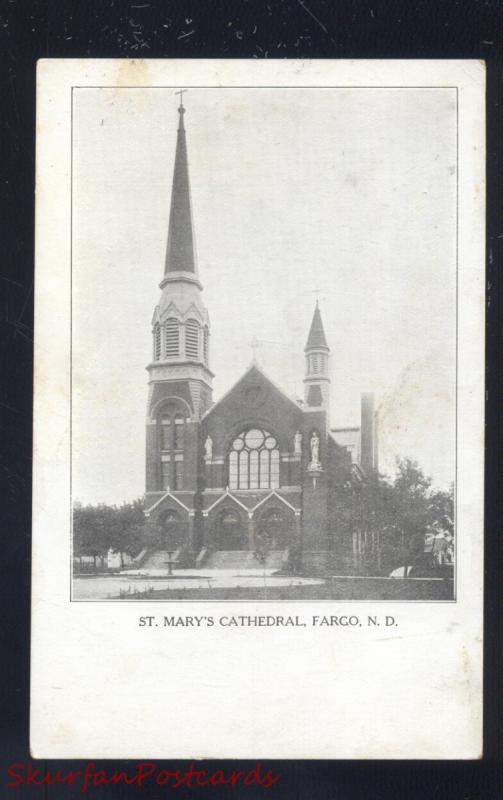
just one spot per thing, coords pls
(192, 339)
(254, 461)
(172, 338)
(157, 342)
(171, 445)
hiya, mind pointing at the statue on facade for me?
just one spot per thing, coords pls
(297, 443)
(315, 449)
(208, 446)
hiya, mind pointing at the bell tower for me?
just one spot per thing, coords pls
(317, 380)
(180, 380)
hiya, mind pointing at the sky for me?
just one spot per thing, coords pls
(351, 192)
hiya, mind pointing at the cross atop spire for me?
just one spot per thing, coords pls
(180, 92)
(181, 108)
(180, 253)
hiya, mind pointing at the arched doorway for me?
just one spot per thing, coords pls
(171, 530)
(230, 533)
(273, 527)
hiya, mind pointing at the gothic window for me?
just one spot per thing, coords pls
(171, 444)
(157, 342)
(192, 339)
(172, 340)
(254, 461)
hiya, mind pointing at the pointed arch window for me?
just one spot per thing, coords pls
(254, 461)
(192, 339)
(172, 338)
(157, 342)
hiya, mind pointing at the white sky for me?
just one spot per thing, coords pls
(351, 191)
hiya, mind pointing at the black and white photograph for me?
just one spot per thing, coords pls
(259, 409)
(283, 262)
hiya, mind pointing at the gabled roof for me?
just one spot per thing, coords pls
(254, 366)
(316, 338)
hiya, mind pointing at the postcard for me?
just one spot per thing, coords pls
(259, 409)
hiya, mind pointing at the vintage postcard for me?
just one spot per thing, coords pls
(259, 387)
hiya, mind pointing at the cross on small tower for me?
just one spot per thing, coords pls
(317, 293)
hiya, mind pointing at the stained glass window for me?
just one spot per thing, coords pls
(254, 461)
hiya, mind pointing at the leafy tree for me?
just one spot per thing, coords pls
(97, 529)
(393, 517)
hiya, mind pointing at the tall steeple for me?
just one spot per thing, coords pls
(180, 325)
(317, 380)
(180, 251)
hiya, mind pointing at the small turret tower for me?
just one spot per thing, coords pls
(317, 380)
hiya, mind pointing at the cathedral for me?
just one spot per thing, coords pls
(253, 477)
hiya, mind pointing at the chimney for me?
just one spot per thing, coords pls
(368, 435)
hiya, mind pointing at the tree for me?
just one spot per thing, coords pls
(128, 529)
(92, 530)
(97, 529)
(392, 517)
(417, 508)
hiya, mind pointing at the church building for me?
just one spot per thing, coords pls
(253, 477)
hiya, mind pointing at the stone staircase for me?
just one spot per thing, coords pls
(243, 559)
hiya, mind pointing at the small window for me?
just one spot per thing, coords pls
(179, 429)
(192, 339)
(205, 345)
(172, 344)
(157, 342)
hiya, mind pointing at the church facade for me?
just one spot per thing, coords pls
(255, 476)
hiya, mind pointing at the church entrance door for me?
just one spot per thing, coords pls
(171, 530)
(273, 527)
(230, 531)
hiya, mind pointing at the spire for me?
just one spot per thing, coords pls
(316, 339)
(180, 251)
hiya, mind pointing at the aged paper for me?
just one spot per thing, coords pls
(258, 460)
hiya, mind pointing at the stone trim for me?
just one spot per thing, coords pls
(166, 494)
